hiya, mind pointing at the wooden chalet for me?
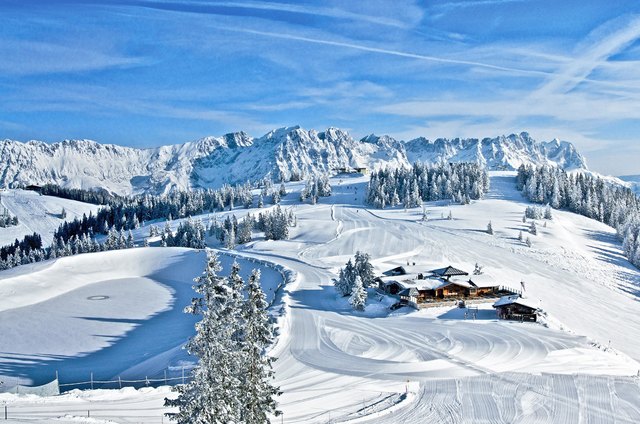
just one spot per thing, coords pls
(515, 307)
(361, 170)
(453, 289)
(440, 285)
(485, 285)
(33, 187)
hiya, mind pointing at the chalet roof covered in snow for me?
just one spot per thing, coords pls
(413, 282)
(483, 280)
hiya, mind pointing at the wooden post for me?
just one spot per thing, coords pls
(165, 377)
(120, 382)
(5, 412)
(91, 380)
(182, 375)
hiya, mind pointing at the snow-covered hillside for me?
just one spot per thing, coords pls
(337, 365)
(38, 214)
(51, 312)
(287, 153)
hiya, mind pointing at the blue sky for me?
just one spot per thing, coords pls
(149, 72)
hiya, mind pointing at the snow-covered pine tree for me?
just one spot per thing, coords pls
(346, 279)
(363, 268)
(489, 228)
(341, 285)
(230, 239)
(259, 392)
(533, 229)
(358, 298)
(244, 230)
(214, 395)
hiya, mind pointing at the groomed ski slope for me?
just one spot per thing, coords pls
(335, 365)
(337, 362)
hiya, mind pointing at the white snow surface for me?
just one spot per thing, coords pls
(117, 313)
(38, 214)
(238, 157)
(433, 365)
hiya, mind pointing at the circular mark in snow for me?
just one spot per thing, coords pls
(99, 297)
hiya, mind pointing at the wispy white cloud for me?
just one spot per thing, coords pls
(101, 100)
(307, 9)
(473, 3)
(370, 49)
(601, 44)
(276, 107)
(574, 108)
(439, 10)
(20, 57)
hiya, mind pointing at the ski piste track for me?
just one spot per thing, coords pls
(335, 365)
(462, 371)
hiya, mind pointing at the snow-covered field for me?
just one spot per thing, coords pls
(113, 314)
(38, 214)
(335, 365)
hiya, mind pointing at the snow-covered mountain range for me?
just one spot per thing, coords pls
(285, 153)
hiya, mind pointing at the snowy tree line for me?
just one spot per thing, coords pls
(130, 213)
(536, 212)
(354, 279)
(274, 223)
(316, 187)
(189, 233)
(30, 249)
(17, 250)
(6, 219)
(459, 182)
(233, 380)
(96, 197)
(615, 205)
